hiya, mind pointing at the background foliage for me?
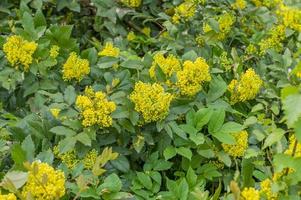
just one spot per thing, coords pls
(183, 154)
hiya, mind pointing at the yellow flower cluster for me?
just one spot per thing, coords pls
(267, 3)
(54, 51)
(251, 49)
(9, 196)
(246, 88)
(290, 17)
(146, 31)
(266, 190)
(55, 112)
(109, 50)
(168, 65)
(95, 108)
(19, 51)
(192, 76)
(184, 11)
(276, 36)
(131, 3)
(239, 4)
(75, 68)
(68, 158)
(292, 148)
(238, 149)
(250, 194)
(44, 182)
(200, 40)
(131, 36)
(225, 61)
(151, 101)
(90, 159)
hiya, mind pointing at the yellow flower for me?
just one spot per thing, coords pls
(239, 4)
(131, 36)
(257, 3)
(238, 149)
(290, 17)
(246, 88)
(146, 31)
(69, 158)
(54, 51)
(19, 51)
(266, 190)
(95, 108)
(168, 65)
(131, 3)
(200, 40)
(251, 49)
(250, 194)
(75, 68)
(55, 112)
(292, 148)
(90, 159)
(9, 196)
(184, 11)
(275, 36)
(225, 22)
(192, 76)
(44, 182)
(151, 101)
(109, 50)
(225, 61)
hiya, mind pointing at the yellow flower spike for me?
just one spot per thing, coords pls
(90, 159)
(239, 4)
(131, 36)
(54, 51)
(151, 101)
(146, 31)
(246, 88)
(132, 3)
(9, 196)
(185, 11)
(44, 182)
(95, 108)
(266, 190)
(19, 51)
(250, 194)
(168, 65)
(55, 112)
(238, 149)
(75, 68)
(109, 50)
(192, 76)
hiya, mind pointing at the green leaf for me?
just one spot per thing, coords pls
(185, 152)
(169, 152)
(231, 127)
(217, 88)
(183, 190)
(83, 138)
(191, 177)
(145, 180)
(223, 137)
(190, 55)
(216, 121)
(112, 183)
(132, 64)
(18, 178)
(176, 129)
(29, 147)
(214, 24)
(188, 129)
(18, 155)
(247, 173)
(67, 144)
(70, 95)
(292, 108)
(62, 130)
(273, 137)
(121, 163)
(202, 117)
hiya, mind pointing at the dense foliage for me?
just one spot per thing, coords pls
(150, 99)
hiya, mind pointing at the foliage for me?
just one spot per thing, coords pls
(150, 99)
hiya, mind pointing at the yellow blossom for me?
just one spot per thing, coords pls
(294, 146)
(151, 101)
(54, 51)
(69, 158)
(90, 159)
(19, 51)
(9, 196)
(225, 22)
(75, 68)
(238, 149)
(251, 49)
(44, 182)
(168, 65)
(200, 40)
(131, 36)
(192, 76)
(55, 112)
(266, 190)
(250, 194)
(184, 11)
(132, 3)
(225, 61)
(275, 36)
(146, 31)
(290, 17)
(239, 4)
(95, 108)
(246, 88)
(109, 50)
